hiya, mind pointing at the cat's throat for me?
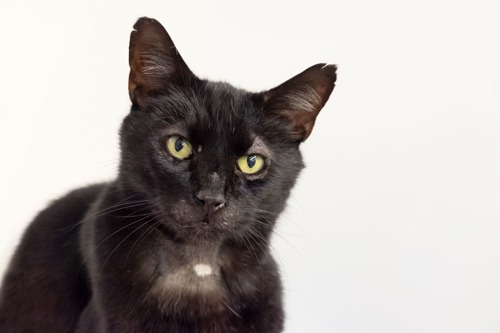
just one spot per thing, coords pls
(191, 276)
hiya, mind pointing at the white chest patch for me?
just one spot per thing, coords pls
(202, 270)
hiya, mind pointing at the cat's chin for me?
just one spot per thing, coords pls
(199, 232)
(203, 234)
(192, 228)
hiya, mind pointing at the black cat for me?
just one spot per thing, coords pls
(179, 242)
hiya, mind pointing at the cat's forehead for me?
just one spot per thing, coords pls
(225, 105)
(217, 112)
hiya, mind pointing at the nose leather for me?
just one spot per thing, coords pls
(212, 198)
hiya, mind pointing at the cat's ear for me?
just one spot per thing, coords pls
(155, 64)
(299, 100)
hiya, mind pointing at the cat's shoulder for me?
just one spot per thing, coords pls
(69, 209)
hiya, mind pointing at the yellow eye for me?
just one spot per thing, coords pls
(251, 164)
(179, 147)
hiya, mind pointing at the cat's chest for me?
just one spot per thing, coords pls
(190, 280)
(198, 277)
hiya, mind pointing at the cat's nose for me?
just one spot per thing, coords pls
(212, 201)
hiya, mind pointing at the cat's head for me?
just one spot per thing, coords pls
(214, 161)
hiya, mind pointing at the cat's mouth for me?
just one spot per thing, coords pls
(191, 224)
(206, 230)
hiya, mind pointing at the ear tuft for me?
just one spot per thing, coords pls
(155, 64)
(300, 99)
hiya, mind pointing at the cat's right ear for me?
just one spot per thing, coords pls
(155, 64)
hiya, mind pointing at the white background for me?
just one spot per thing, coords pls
(395, 224)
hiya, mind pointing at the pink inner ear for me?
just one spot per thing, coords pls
(150, 72)
(154, 62)
(300, 99)
(302, 123)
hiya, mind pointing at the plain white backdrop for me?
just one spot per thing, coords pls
(394, 225)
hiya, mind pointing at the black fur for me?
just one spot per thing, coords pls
(122, 256)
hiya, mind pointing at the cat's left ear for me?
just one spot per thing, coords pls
(155, 63)
(299, 100)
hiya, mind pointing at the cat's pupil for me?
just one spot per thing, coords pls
(251, 161)
(179, 144)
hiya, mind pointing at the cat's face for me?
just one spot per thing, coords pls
(213, 161)
(210, 160)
